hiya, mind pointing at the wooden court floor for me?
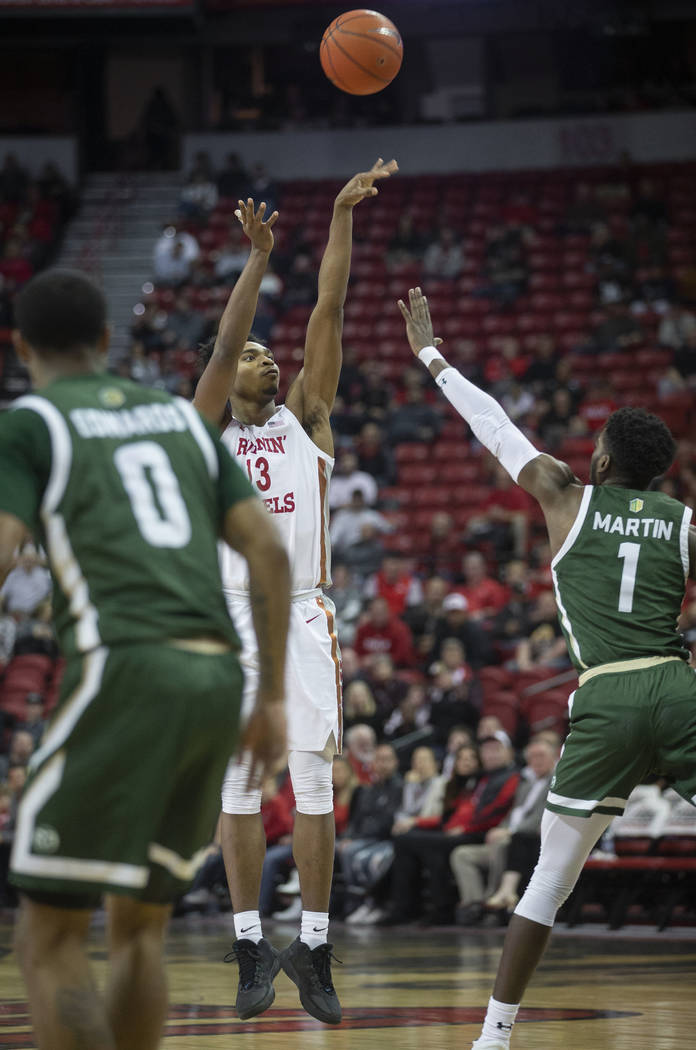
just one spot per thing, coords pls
(416, 989)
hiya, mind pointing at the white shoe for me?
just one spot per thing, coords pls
(292, 886)
(291, 914)
(359, 915)
(490, 1044)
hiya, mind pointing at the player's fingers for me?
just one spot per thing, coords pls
(260, 213)
(377, 164)
(386, 170)
(404, 312)
(272, 219)
(437, 342)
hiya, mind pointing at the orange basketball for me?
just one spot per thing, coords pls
(361, 52)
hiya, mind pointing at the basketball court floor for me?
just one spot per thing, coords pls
(415, 989)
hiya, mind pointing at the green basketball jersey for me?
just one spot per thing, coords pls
(620, 576)
(126, 488)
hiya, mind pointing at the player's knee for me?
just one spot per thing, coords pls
(312, 784)
(236, 798)
(546, 892)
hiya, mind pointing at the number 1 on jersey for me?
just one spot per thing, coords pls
(629, 552)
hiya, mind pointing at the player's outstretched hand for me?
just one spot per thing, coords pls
(260, 233)
(419, 327)
(362, 184)
(264, 738)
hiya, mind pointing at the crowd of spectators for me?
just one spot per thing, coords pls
(422, 622)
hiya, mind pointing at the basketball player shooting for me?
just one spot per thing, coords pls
(621, 553)
(287, 452)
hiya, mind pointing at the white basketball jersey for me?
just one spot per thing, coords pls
(292, 476)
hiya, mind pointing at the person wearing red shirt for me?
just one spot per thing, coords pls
(396, 584)
(484, 595)
(381, 632)
(428, 850)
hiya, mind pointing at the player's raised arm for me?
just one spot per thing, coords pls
(541, 475)
(312, 397)
(214, 385)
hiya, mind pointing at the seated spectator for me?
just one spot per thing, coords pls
(456, 622)
(173, 257)
(360, 745)
(374, 455)
(345, 783)
(34, 633)
(411, 714)
(597, 405)
(423, 617)
(444, 258)
(506, 266)
(349, 522)
(370, 824)
(484, 595)
(359, 706)
(559, 419)
(423, 791)
(198, 197)
(685, 358)
(497, 871)
(22, 747)
(453, 694)
(441, 547)
(231, 257)
(387, 689)
(144, 368)
(504, 517)
(185, 326)
(459, 736)
(406, 245)
(364, 557)
(584, 212)
(415, 420)
(348, 478)
(677, 324)
(422, 853)
(347, 597)
(232, 180)
(544, 645)
(27, 585)
(15, 268)
(382, 632)
(396, 583)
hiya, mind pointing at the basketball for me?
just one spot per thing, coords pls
(361, 52)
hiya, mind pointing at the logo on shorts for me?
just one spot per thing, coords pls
(553, 782)
(636, 505)
(45, 840)
(111, 397)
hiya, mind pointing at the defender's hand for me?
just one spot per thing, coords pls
(260, 233)
(361, 185)
(265, 739)
(419, 327)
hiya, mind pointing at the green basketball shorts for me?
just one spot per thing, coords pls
(625, 726)
(124, 792)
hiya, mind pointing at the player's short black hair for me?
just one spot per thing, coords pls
(60, 311)
(640, 444)
(205, 350)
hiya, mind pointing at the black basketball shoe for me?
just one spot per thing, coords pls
(310, 969)
(258, 965)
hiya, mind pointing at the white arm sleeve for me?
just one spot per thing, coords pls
(488, 420)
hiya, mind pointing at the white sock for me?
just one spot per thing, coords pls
(315, 928)
(497, 1027)
(247, 926)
